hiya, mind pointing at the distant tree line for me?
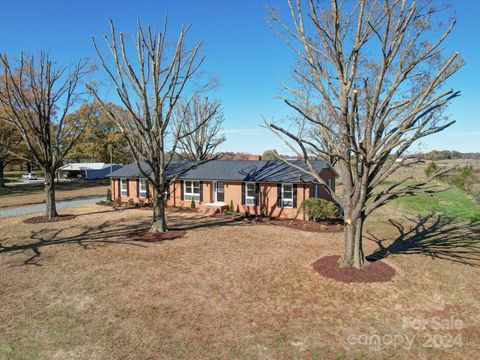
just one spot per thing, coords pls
(447, 155)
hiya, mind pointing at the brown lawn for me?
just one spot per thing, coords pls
(82, 289)
(24, 194)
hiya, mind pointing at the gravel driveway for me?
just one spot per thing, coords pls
(36, 208)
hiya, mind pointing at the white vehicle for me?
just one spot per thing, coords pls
(29, 176)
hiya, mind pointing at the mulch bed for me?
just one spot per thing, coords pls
(105, 203)
(43, 219)
(124, 206)
(145, 235)
(178, 209)
(304, 225)
(377, 271)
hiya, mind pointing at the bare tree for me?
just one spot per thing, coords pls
(200, 123)
(374, 67)
(150, 91)
(9, 142)
(36, 98)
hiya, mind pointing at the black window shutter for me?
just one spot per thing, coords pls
(128, 190)
(167, 189)
(138, 187)
(256, 193)
(147, 184)
(243, 193)
(201, 191)
(119, 187)
(294, 195)
(182, 191)
(279, 195)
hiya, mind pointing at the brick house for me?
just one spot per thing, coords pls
(267, 187)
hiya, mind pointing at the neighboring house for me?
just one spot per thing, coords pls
(267, 187)
(88, 171)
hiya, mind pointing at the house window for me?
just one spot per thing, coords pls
(250, 194)
(329, 183)
(123, 187)
(316, 191)
(192, 190)
(142, 187)
(287, 195)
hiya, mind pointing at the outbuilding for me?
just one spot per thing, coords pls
(87, 171)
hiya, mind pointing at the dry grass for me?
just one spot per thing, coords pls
(24, 194)
(80, 289)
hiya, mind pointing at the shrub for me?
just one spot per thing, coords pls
(118, 201)
(131, 202)
(263, 211)
(109, 195)
(319, 209)
(431, 168)
(231, 208)
(192, 204)
(462, 179)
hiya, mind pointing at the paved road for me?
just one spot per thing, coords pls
(38, 208)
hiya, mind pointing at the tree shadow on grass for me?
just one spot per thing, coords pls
(104, 234)
(435, 236)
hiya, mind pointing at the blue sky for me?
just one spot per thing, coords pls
(240, 48)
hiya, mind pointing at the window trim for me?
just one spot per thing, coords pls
(288, 199)
(122, 191)
(191, 195)
(250, 198)
(142, 193)
(329, 182)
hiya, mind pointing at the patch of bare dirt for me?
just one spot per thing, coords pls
(377, 271)
(43, 219)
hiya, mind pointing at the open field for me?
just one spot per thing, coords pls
(82, 289)
(23, 194)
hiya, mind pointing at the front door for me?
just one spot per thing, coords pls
(219, 191)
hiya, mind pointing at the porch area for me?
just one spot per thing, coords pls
(213, 208)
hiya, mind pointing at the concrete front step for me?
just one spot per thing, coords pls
(213, 208)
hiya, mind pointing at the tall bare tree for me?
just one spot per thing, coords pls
(149, 85)
(379, 68)
(36, 97)
(200, 123)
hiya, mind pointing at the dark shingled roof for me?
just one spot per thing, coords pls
(232, 170)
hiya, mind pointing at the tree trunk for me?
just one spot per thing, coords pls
(51, 209)
(2, 178)
(159, 223)
(353, 251)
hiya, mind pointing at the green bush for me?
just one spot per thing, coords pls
(319, 209)
(109, 195)
(231, 208)
(192, 204)
(462, 178)
(431, 168)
